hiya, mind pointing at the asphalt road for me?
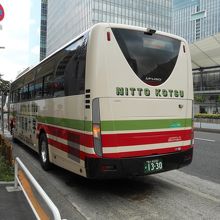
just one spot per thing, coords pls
(190, 193)
(206, 158)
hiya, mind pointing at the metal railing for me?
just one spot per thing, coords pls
(55, 212)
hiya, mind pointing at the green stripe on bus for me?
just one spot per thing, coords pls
(121, 125)
(68, 123)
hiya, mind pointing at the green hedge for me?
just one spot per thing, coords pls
(6, 171)
(6, 150)
(209, 116)
(6, 160)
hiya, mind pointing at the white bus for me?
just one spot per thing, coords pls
(114, 102)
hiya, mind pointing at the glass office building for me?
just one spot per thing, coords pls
(43, 29)
(68, 18)
(207, 90)
(196, 19)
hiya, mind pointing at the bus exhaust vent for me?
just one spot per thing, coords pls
(87, 99)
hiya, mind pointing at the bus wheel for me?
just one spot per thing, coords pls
(44, 153)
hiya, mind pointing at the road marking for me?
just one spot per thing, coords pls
(194, 191)
(202, 139)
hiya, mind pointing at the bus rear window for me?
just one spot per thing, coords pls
(152, 57)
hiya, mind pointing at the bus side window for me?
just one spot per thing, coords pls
(38, 88)
(22, 123)
(16, 96)
(19, 94)
(63, 58)
(59, 83)
(75, 69)
(24, 93)
(48, 86)
(31, 91)
(82, 69)
(25, 124)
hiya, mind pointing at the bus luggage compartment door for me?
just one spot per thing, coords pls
(139, 127)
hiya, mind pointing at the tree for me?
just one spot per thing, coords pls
(199, 99)
(4, 88)
(4, 85)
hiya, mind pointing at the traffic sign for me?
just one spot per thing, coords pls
(2, 13)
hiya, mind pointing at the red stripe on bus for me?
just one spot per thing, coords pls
(75, 137)
(146, 152)
(114, 140)
(111, 140)
(70, 150)
(82, 155)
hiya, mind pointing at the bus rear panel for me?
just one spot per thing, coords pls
(140, 86)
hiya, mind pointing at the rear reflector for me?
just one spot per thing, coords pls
(105, 168)
(108, 36)
(184, 49)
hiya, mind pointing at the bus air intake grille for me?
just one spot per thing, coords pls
(87, 99)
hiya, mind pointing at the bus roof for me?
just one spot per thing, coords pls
(103, 25)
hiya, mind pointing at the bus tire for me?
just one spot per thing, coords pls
(44, 152)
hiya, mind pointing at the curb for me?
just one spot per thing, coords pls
(207, 130)
(7, 183)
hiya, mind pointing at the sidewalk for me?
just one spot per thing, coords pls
(13, 205)
(209, 127)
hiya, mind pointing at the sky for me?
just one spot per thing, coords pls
(20, 35)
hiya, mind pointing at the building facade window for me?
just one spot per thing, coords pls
(43, 29)
(207, 91)
(197, 19)
(80, 15)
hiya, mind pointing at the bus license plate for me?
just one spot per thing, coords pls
(152, 166)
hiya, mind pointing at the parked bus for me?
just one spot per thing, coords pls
(114, 102)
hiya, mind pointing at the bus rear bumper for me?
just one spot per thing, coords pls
(124, 167)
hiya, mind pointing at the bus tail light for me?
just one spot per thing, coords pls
(96, 131)
(192, 137)
(96, 128)
(97, 139)
(192, 134)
